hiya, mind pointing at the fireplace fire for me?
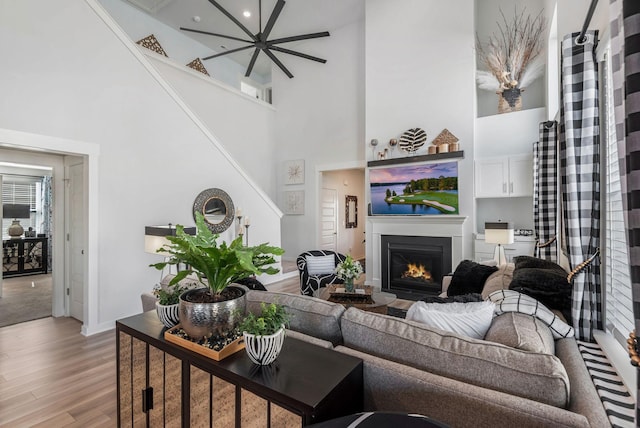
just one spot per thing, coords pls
(413, 266)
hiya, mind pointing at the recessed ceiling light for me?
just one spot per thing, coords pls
(196, 18)
(246, 14)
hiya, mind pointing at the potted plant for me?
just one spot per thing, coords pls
(168, 303)
(211, 310)
(264, 334)
(348, 271)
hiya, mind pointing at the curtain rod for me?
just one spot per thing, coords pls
(587, 20)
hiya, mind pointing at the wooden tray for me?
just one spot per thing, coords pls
(230, 349)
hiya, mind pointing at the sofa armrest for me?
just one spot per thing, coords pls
(390, 386)
(148, 302)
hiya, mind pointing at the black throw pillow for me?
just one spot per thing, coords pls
(521, 262)
(469, 277)
(463, 298)
(547, 286)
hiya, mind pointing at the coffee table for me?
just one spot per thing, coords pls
(380, 299)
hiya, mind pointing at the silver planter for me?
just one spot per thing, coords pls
(200, 320)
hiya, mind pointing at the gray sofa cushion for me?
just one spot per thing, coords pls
(521, 331)
(309, 315)
(499, 280)
(539, 377)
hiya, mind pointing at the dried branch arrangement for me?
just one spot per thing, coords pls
(512, 55)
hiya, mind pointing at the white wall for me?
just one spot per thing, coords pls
(154, 158)
(320, 117)
(421, 74)
(349, 182)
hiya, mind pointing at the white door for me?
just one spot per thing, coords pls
(75, 241)
(329, 219)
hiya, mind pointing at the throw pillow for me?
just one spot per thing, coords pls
(534, 262)
(320, 265)
(467, 319)
(521, 331)
(469, 277)
(548, 286)
(512, 301)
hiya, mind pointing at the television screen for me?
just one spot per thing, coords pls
(427, 189)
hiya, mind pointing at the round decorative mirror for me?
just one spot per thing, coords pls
(217, 208)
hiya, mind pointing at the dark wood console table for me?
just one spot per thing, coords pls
(26, 256)
(163, 384)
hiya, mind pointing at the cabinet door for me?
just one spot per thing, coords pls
(491, 178)
(520, 176)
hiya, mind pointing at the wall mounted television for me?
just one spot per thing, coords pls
(425, 189)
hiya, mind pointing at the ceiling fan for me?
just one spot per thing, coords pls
(260, 41)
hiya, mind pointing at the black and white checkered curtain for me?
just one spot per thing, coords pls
(580, 171)
(625, 62)
(545, 190)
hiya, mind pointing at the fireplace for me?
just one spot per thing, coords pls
(413, 266)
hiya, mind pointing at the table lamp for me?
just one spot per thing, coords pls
(16, 211)
(498, 233)
(155, 237)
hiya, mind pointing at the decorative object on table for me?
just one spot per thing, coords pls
(168, 303)
(216, 347)
(212, 310)
(499, 233)
(264, 334)
(392, 144)
(415, 189)
(247, 224)
(150, 42)
(351, 211)
(412, 139)
(16, 212)
(432, 150)
(30, 233)
(445, 138)
(260, 41)
(239, 230)
(443, 148)
(360, 295)
(217, 209)
(512, 58)
(197, 65)
(294, 202)
(374, 144)
(349, 270)
(383, 154)
(294, 171)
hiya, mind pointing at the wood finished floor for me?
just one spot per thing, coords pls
(53, 376)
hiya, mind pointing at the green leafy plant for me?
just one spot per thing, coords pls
(216, 265)
(273, 317)
(169, 295)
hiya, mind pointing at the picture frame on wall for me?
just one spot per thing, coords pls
(294, 202)
(294, 171)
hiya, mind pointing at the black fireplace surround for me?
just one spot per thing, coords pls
(413, 266)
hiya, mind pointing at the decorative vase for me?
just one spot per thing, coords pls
(264, 350)
(168, 314)
(348, 285)
(200, 320)
(510, 100)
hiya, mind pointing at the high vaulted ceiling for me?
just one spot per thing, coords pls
(297, 17)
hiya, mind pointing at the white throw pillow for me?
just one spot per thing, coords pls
(321, 265)
(471, 319)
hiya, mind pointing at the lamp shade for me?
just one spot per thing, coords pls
(155, 237)
(16, 211)
(498, 233)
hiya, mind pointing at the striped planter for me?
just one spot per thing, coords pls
(168, 314)
(264, 350)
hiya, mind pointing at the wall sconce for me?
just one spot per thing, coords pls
(501, 234)
(16, 211)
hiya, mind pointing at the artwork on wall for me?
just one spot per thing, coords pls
(351, 211)
(416, 189)
(294, 171)
(294, 202)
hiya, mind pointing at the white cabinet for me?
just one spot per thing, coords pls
(522, 246)
(504, 177)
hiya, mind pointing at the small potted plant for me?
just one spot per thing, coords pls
(264, 333)
(168, 303)
(348, 271)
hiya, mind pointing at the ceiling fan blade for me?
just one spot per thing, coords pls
(278, 63)
(227, 52)
(272, 20)
(215, 34)
(234, 20)
(296, 38)
(254, 57)
(300, 54)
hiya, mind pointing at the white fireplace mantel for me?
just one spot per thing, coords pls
(439, 226)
